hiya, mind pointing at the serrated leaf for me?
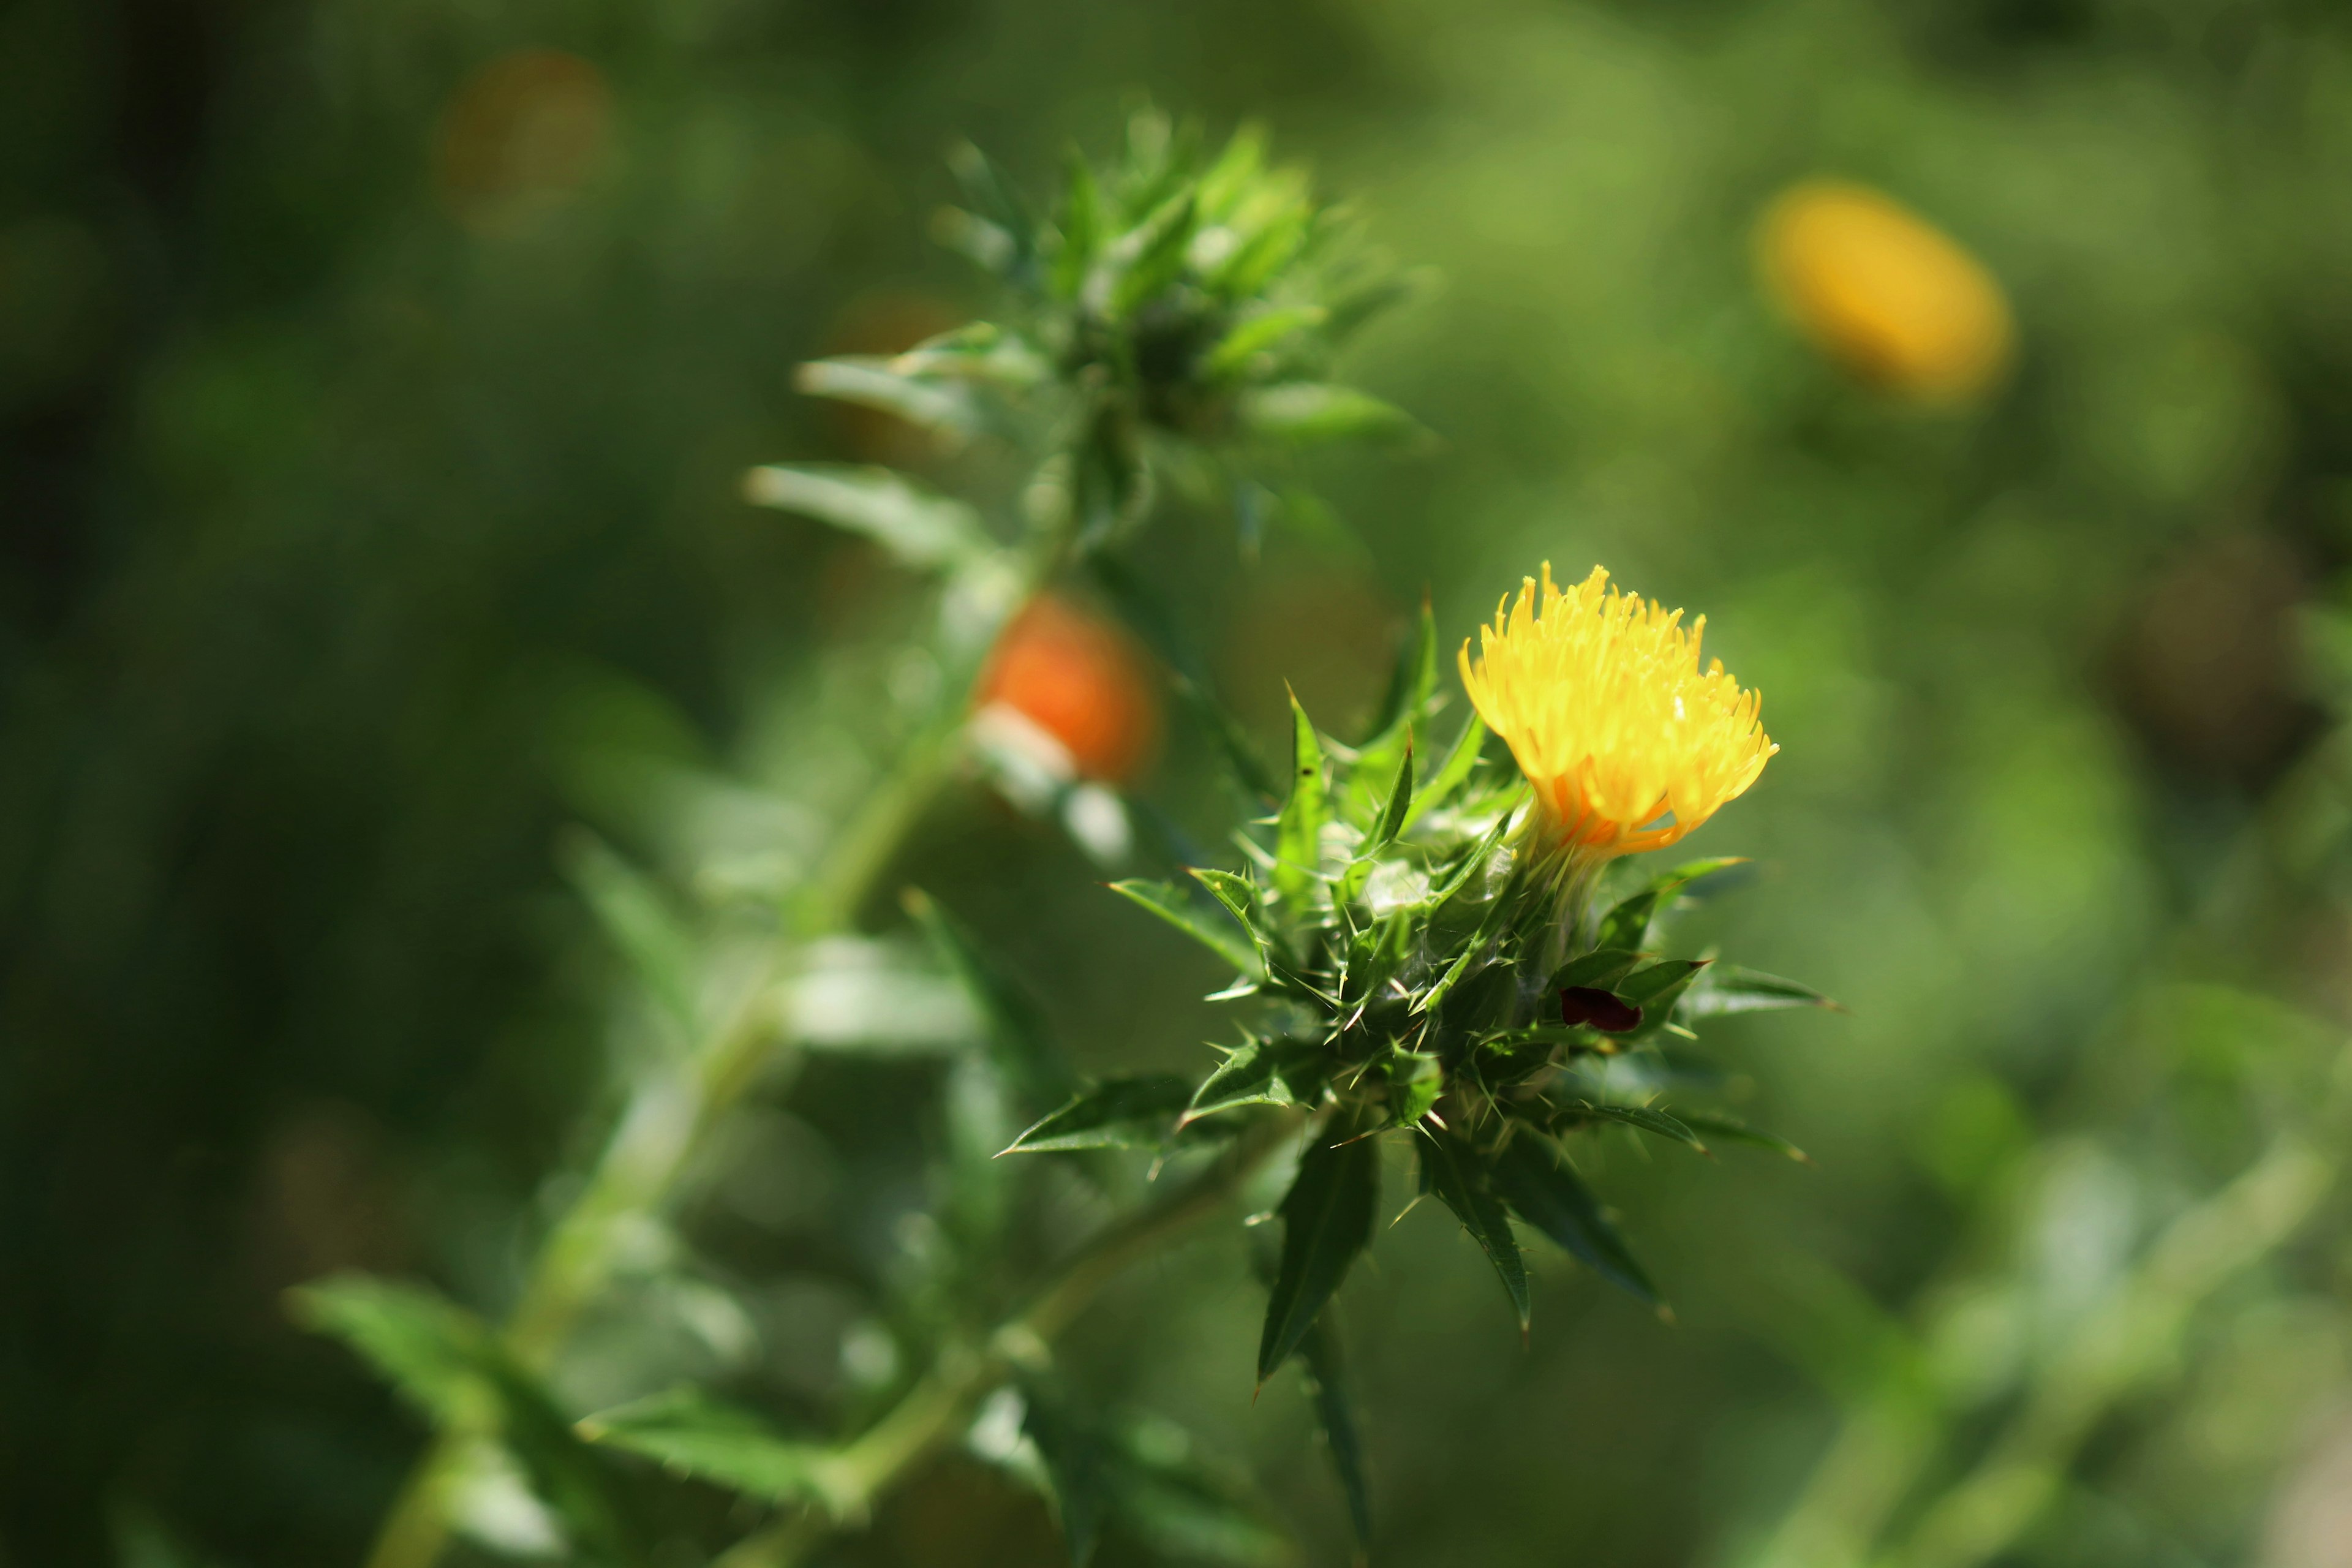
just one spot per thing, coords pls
(1263, 1072)
(922, 529)
(1302, 413)
(1135, 1113)
(1335, 1413)
(1326, 1220)
(640, 922)
(1457, 1174)
(1018, 1040)
(1298, 832)
(1255, 334)
(1076, 1461)
(1732, 1131)
(689, 1433)
(870, 381)
(1648, 1118)
(1535, 1178)
(1728, 988)
(1181, 910)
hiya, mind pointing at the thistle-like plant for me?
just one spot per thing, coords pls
(1419, 940)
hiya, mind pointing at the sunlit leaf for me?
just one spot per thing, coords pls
(1256, 334)
(1203, 924)
(919, 527)
(1263, 1072)
(1305, 412)
(1731, 1130)
(871, 381)
(1664, 1125)
(1728, 988)
(1137, 1112)
(1298, 834)
(689, 1433)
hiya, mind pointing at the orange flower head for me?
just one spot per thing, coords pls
(1081, 681)
(1628, 742)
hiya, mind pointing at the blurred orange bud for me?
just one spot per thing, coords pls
(520, 136)
(1884, 293)
(1080, 680)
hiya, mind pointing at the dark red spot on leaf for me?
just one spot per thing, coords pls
(1604, 1010)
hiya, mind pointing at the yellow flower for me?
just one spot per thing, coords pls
(1601, 698)
(1884, 292)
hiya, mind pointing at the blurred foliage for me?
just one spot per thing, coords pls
(376, 380)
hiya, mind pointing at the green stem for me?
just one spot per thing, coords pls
(667, 1117)
(943, 1400)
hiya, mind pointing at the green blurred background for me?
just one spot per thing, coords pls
(356, 485)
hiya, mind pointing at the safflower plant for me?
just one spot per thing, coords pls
(1444, 935)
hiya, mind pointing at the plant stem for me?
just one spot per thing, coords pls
(667, 1117)
(929, 1411)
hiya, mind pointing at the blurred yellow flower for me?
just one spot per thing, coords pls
(1601, 698)
(1884, 293)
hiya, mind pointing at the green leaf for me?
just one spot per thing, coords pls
(1083, 225)
(1255, 334)
(1535, 1178)
(921, 528)
(1328, 1386)
(873, 382)
(1305, 412)
(1263, 1072)
(1454, 1171)
(1602, 969)
(1326, 1220)
(1732, 1131)
(1383, 832)
(1415, 1083)
(1451, 773)
(1145, 260)
(1655, 988)
(1076, 1462)
(1298, 834)
(978, 351)
(446, 1361)
(433, 1351)
(1728, 988)
(1137, 1112)
(1017, 1036)
(640, 922)
(1662, 1123)
(1181, 910)
(689, 1433)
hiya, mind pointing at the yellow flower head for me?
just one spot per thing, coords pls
(1885, 293)
(1601, 698)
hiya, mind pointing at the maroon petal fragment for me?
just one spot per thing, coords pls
(1605, 1011)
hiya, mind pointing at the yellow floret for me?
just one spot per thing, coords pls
(1598, 694)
